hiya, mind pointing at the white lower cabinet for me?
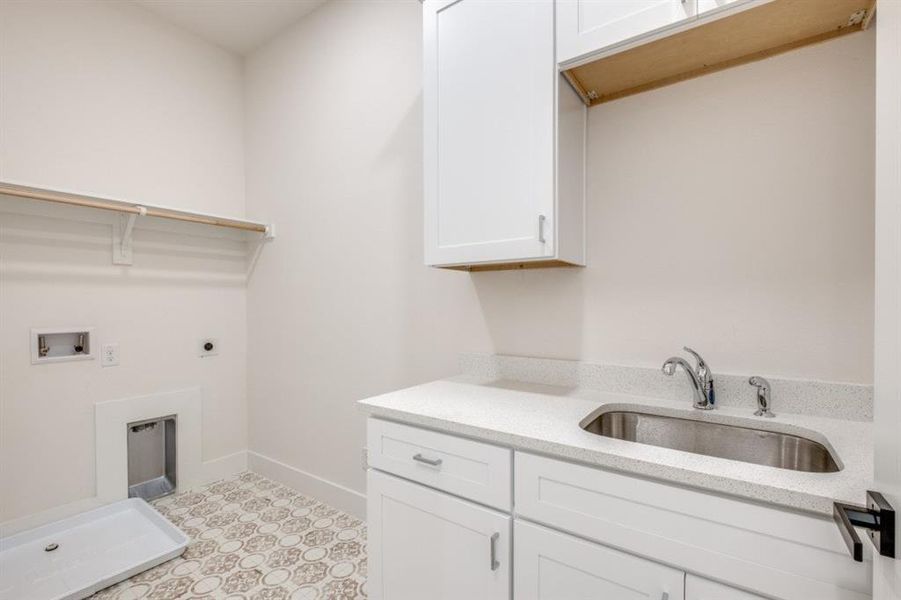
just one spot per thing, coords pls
(698, 588)
(555, 566)
(773, 552)
(425, 544)
(602, 535)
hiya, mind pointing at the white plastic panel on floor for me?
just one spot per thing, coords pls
(75, 557)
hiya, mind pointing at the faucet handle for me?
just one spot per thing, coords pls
(703, 369)
(764, 398)
(759, 382)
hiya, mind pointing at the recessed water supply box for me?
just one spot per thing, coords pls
(152, 457)
(59, 344)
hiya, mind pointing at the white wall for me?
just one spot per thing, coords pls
(732, 213)
(341, 306)
(887, 375)
(765, 171)
(103, 97)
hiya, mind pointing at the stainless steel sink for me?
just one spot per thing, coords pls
(770, 448)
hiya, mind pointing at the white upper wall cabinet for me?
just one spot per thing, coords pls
(496, 121)
(705, 6)
(585, 26)
(610, 49)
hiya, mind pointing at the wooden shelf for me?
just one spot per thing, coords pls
(753, 34)
(120, 206)
(126, 215)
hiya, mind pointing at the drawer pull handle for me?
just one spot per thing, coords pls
(432, 462)
(494, 562)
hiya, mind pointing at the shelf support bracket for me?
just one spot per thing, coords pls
(123, 231)
(268, 236)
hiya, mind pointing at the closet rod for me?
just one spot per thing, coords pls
(33, 193)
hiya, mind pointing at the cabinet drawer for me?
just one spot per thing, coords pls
(770, 551)
(473, 470)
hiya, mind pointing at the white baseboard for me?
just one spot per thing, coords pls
(329, 492)
(14, 526)
(224, 466)
(211, 470)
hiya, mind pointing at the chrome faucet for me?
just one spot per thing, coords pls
(700, 377)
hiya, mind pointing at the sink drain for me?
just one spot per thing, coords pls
(51, 547)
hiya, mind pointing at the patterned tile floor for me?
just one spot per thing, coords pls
(254, 539)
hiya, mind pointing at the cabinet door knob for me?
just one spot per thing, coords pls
(541, 220)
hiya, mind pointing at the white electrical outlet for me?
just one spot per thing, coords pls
(109, 355)
(208, 347)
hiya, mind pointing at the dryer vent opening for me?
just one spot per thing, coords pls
(151, 457)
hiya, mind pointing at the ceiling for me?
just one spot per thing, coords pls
(237, 25)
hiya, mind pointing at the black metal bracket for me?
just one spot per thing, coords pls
(878, 517)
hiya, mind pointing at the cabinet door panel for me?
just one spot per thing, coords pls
(779, 553)
(489, 97)
(698, 588)
(556, 566)
(585, 26)
(706, 6)
(427, 544)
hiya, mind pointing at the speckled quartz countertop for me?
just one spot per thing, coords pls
(545, 419)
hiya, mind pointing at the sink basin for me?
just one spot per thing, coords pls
(761, 447)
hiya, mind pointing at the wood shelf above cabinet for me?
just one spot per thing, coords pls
(513, 266)
(720, 43)
(129, 208)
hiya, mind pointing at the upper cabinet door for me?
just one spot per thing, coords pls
(556, 566)
(489, 112)
(707, 6)
(588, 26)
